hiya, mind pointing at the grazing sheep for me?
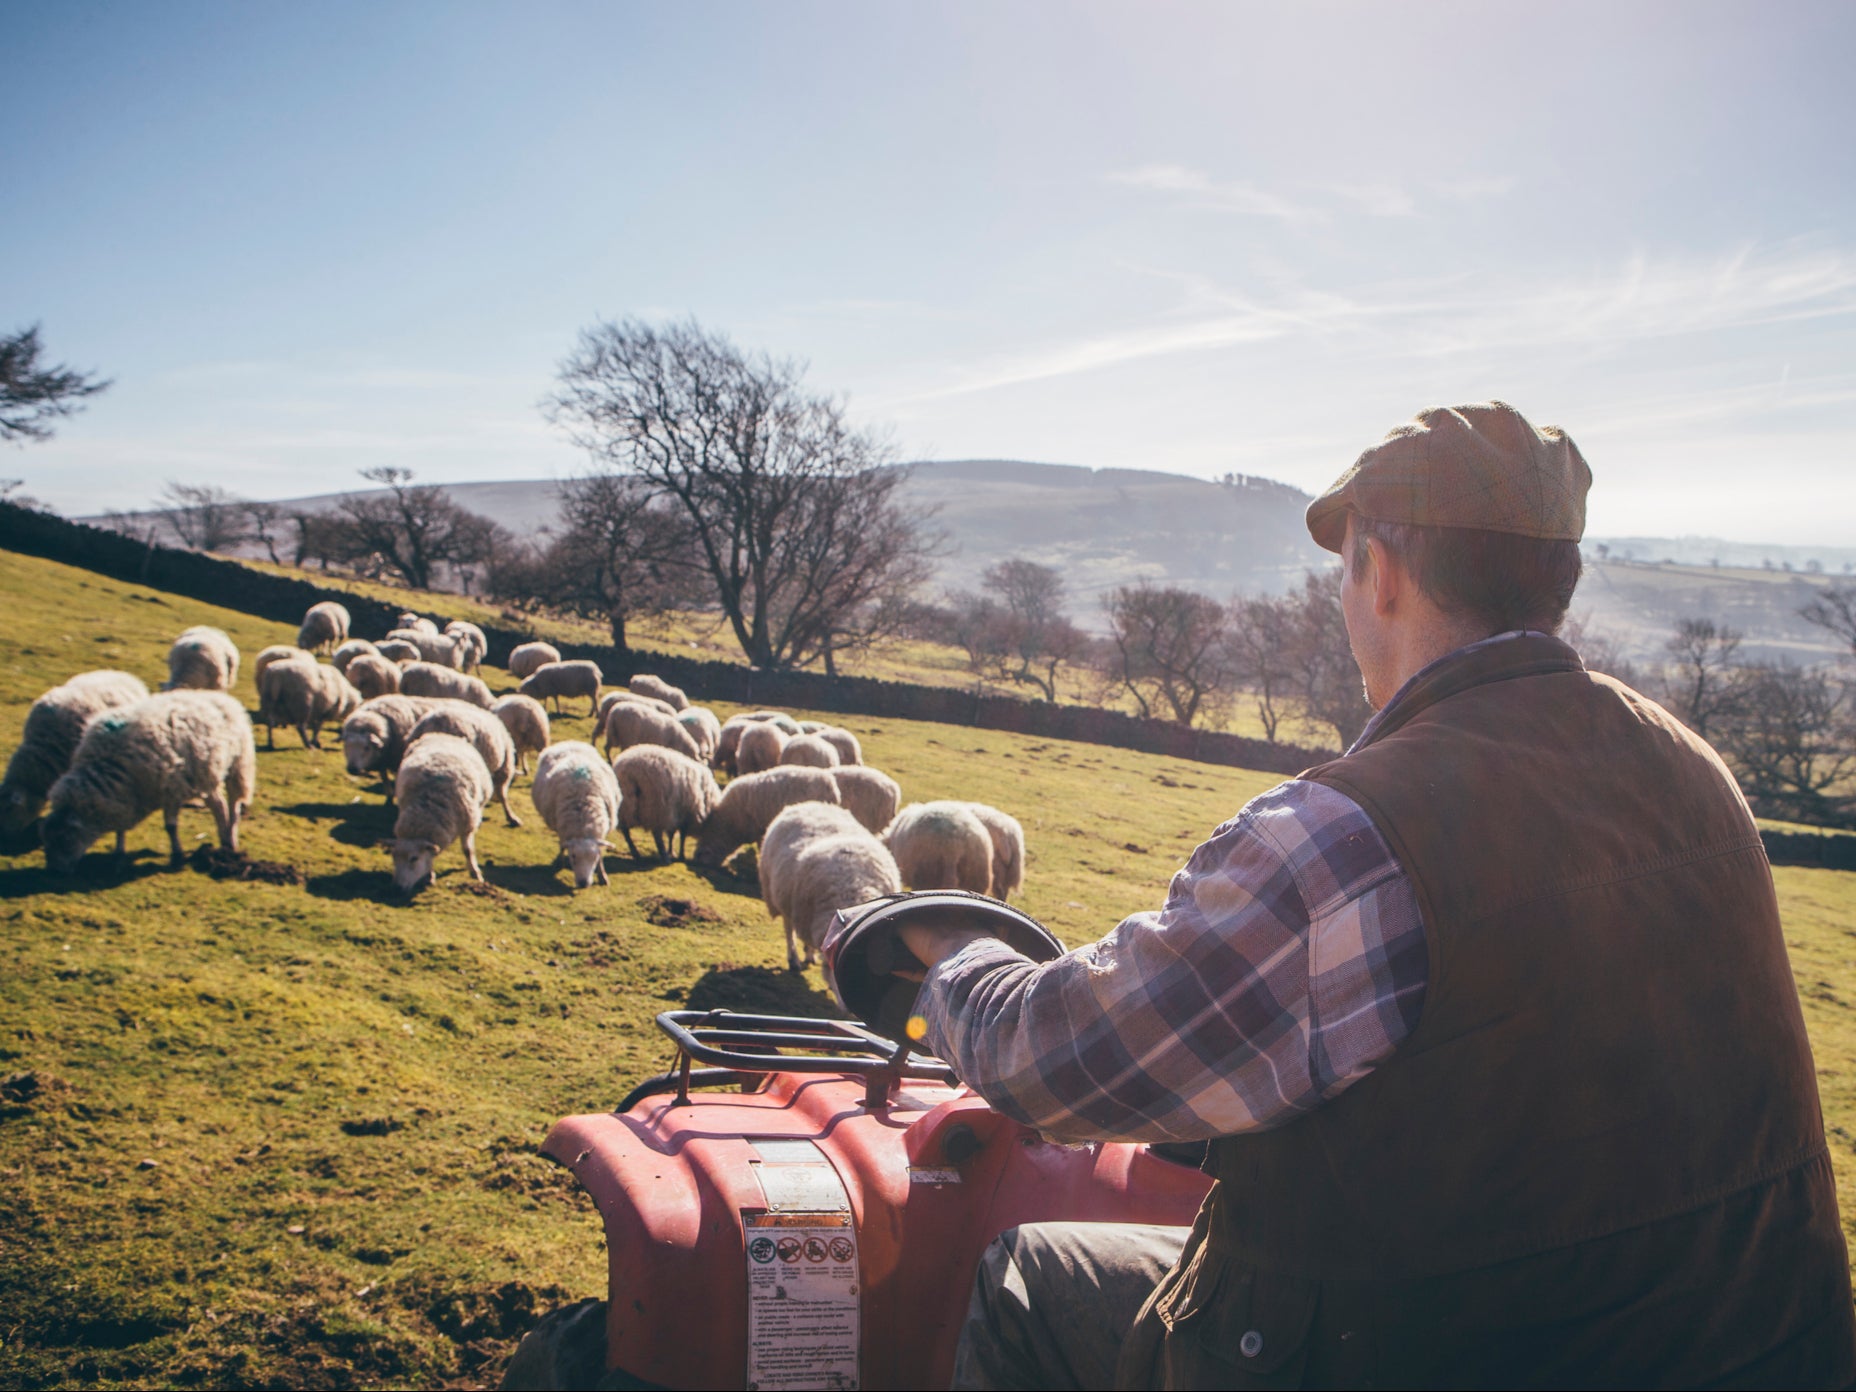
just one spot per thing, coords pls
(277, 652)
(704, 728)
(54, 725)
(787, 834)
(165, 751)
(751, 802)
(266, 683)
(871, 795)
(558, 679)
(941, 845)
(612, 698)
(779, 719)
(202, 659)
(433, 646)
(723, 760)
(758, 748)
(441, 789)
(349, 651)
(629, 723)
(842, 740)
(809, 751)
(527, 722)
(475, 644)
(324, 626)
(410, 620)
(394, 650)
(374, 737)
(305, 694)
(485, 734)
(812, 727)
(647, 685)
(372, 675)
(828, 874)
(577, 794)
(1008, 849)
(429, 679)
(525, 659)
(666, 793)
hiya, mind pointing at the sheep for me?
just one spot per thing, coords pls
(871, 795)
(647, 685)
(812, 727)
(830, 873)
(666, 793)
(728, 743)
(349, 651)
(433, 646)
(758, 748)
(485, 734)
(372, 675)
(577, 794)
(54, 725)
(527, 722)
(166, 751)
(751, 802)
(526, 658)
(305, 694)
(558, 679)
(941, 845)
(410, 620)
(394, 650)
(202, 659)
(779, 719)
(809, 751)
(612, 698)
(324, 626)
(1008, 849)
(842, 740)
(266, 683)
(629, 724)
(277, 652)
(787, 835)
(704, 728)
(429, 679)
(374, 737)
(475, 644)
(441, 789)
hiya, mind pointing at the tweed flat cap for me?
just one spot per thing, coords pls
(1481, 466)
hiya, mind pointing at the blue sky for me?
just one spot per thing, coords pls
(309, 239)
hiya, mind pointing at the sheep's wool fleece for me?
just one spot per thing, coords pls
(156, 754)
(575, 791)
(441, 791)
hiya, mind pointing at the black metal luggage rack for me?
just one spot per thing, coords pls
(747, 1048)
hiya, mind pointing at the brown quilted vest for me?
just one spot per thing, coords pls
(1599, 1158)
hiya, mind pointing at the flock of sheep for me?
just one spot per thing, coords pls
(100, 753)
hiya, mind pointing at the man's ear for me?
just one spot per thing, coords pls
(1385, 577)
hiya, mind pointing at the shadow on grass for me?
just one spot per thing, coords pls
(98, 870)
(760, 991)
(544, 880)
(355, 823)
(376, 885)
(727, 881)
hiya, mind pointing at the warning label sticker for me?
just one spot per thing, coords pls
(802, 1300)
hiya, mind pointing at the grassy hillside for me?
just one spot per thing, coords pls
(263, 1133)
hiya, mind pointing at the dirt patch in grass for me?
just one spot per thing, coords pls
(222, 864)
(668, 911)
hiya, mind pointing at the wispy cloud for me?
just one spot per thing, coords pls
(1376, 200)
(1310, 204)
(1228, 195)
(1474, 190)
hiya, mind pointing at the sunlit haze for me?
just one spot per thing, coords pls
(310, 239)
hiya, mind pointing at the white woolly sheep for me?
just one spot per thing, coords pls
(441, 790)
(941, 845)
(395, 650)
(665, 793)
(349, 651)
(558, 679)
(433, 646)
(410, 620)
(577, 794)
(1008, 849)
(758, 747)
(526, 719)
(164, 752)
(526, 658)
(786, 835)
(704, 728)
(372, 675)
(202, 659)
(809, 751)
(842, 740)
(812, 727)
(830, 873)
(54, 725)
(751, 802)
(871, 795)
(374, 737)
(629, 724)
(305, 694)
(647, 685)
(277, 652)
(429, 679)
(475, 644)
(324, 626)
(484, 733)
(727, 743)
(612, 698)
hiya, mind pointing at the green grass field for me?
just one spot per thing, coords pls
(284, 1134)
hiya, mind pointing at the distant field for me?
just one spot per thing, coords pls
(338, 1095)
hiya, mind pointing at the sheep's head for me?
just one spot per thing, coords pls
(586, 854)
(412, 863)
(362, 746)
(17, 809)
(65, 839)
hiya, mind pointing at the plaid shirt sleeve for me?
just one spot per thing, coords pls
(1288, 961)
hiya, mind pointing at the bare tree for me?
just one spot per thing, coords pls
(264, 522)
(1261, 641)
(31, 395)
(1834, 609)
(1790, 741)
(411, 530)
(1036, 637)
(1167, 644)
(794, 513)
(203, 516)
(10, 495)
(975, 624)
(1598, 648)
(1702, 682)
(1326, 677)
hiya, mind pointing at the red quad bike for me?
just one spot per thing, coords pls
(819, 1226)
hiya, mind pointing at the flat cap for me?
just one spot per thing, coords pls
(1481, 466)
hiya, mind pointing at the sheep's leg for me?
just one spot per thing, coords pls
(663, 849)
(599, 868)
(172, 818)
(122, 847)
(470, 855)
(592, 705)
(270, 735)
(792, 951)
(630, 844)
(509, 811)
(225, 817)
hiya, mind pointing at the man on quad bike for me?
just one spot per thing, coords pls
(1488, 1023)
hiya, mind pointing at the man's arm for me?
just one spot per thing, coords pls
(1289, 959)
